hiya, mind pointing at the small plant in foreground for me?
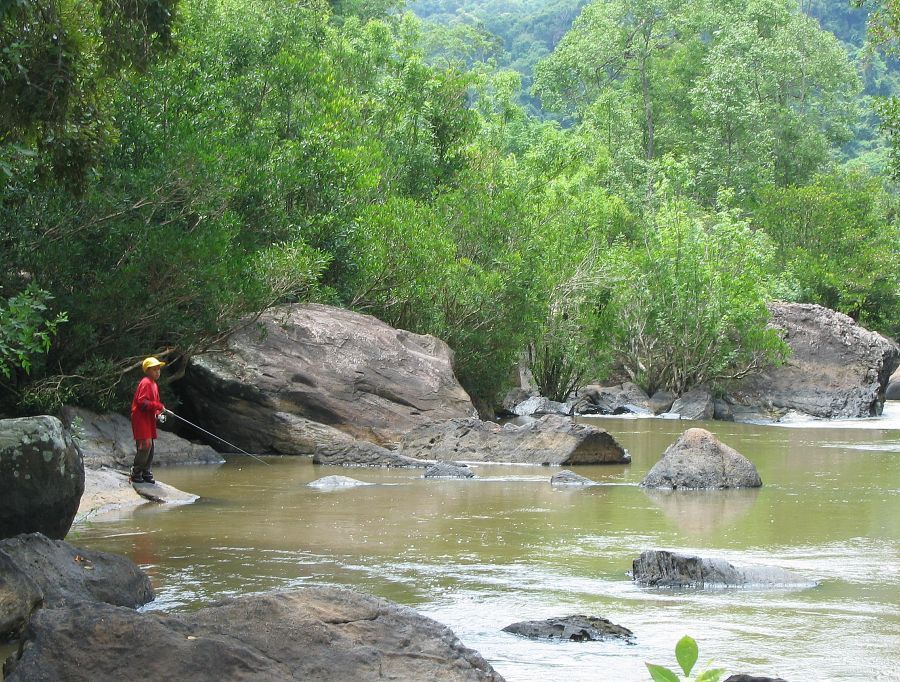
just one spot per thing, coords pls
(686, 653)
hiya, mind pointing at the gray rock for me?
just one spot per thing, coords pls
(449, 470)
(316, 633)
(336, 482)
(539, 405)
(304, 373)
(332, 448)
(628, 408)
(514, 397)
(549, 440)
(892, 392)
(661, 401)
(36, 571)
(571, 628)
(695, 404)
(19, 597)
(66, 574)
(107, 440)
(722, 411)
(41, 476)
(570, 478)
(659, 568)
(698, 460)
(837, 370)
(611, 399)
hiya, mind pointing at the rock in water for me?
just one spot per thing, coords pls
(448, 470)
(336, 483)
(698, 460)
(37, 571)
(837, 368)
(571, 479)
(316, 633)
(572, 628)
(550, 440)
(41, 477)
(659, 568)
(301, 372)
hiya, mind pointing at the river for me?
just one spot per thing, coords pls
(480, 554)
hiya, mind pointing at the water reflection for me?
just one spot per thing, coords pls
(702, 513)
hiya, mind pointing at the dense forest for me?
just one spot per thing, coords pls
(616, 185)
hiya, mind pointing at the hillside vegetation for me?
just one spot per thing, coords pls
(170, 168)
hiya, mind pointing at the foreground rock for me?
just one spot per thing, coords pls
(315, 633)
(837, 370)
(572, 628)
(659, 568)
(106, 440)
(41, 477)
(305, 365)
(698, 460)
(550, 440)
(37, 571)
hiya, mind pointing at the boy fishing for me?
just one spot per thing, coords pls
(145, 410)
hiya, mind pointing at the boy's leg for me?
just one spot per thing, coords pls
(141, 459)
(148, 475)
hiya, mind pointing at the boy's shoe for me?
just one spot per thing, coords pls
(148, 477)
(137, 476)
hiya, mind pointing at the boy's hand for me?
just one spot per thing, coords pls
(161, 418)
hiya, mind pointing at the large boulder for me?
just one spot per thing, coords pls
(37, 571)
(302, 365)
(660, 568)
(107, 440)
(549, 440)
(41, 477)
(837, 368)
(698, 460)
(316, 633)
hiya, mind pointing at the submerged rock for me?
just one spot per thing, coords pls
(549, 440)
(316, 633)
(449, 470)
(570, 478)
(334, 482)
(660, 568)
(41, 477)
(572, 628)
(698, 460)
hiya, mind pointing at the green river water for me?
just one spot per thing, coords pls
(480, 554)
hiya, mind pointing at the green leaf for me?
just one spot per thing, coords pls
(711, 675)
(661, 674)
(686, 653)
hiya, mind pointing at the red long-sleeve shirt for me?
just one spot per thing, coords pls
(144, 408)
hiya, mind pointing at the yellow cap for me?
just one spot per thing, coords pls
(149, 363)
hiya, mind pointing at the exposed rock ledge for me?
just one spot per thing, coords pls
(551, 440)
(315, 633)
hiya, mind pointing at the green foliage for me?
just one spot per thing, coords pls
(27, 329)
(839, 238)
(688, 306)
(686, 654)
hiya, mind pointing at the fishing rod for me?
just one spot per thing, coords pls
(208, 433)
